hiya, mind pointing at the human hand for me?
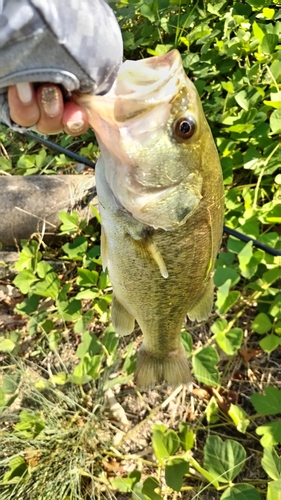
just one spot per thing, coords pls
(45, 108)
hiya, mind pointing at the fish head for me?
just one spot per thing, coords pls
(152, 134)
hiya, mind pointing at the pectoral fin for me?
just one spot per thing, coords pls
(203, 308)
(149, 249)
(122, 321)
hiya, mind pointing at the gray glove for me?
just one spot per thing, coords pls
(75, 43)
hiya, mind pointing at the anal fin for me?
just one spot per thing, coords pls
(203, 308)
(122, 321)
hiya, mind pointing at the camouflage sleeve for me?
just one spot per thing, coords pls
(75, 44)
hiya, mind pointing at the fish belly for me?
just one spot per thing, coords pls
(134, 254)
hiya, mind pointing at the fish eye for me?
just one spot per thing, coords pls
(184, 127)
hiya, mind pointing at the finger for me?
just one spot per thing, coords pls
(23, 105)
(51, 105)
(74, 119)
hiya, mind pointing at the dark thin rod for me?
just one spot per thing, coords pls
(85, 161)
(257, 244)
(54, 146)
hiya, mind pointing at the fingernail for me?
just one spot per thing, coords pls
(24, 91)
(76, 125)
(50, 101)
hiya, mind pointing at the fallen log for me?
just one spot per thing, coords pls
(31, 204)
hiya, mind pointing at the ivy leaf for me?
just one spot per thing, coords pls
(223, 459)
(49, 287)
(186, 436)
(270, 342)
(230, 341)
(269, 43)
(24, 280)
(274, 490)
(7, 345)
(225, 298)
(10, 383)
(271, 434)
(126, 484)
(149, 485)
(268, 404)
(239, 417)
(204, 365)
(271, 463)
(261, 323)
(164, 444)
(174, 472)
(90, 345)
(241, 492)
(275, 121)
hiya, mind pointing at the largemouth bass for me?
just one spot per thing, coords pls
(160, 192)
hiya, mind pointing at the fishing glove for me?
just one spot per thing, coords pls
(74, 43)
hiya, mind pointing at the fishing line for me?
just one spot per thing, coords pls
(85, 161)
(54, 146)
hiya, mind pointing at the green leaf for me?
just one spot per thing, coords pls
(10, 383)
(186, 436)
(242, 99)
(7, 345)
(230, 341)
(18, 469)
(270, 342)
(269, 43)
(77, 248)
(49, 287)
(70, 222)
(271, 463)
(103, 280)
(258, 32)
(204, 365)
(82, 324)
(87, 278)
(261, 323)
(258, 4)
(30, 424)
(24, 280)
(175, 470)
(149, 486)
(241, 492)
(54, 339)
(274, 490)
(225, 298)
(205, 473)
(275, 121)
(239, 417)
(275, 308)
(59, 378)
(222, 274)
(271, 434)
(212, 411)
(147, 12)
(172, 441)
(69, 311)
(187, 342)
(126, 484)
(90, 345)
(223, 459)
(268, 404)
(164, 444)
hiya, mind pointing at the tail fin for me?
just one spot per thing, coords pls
(172, 369)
